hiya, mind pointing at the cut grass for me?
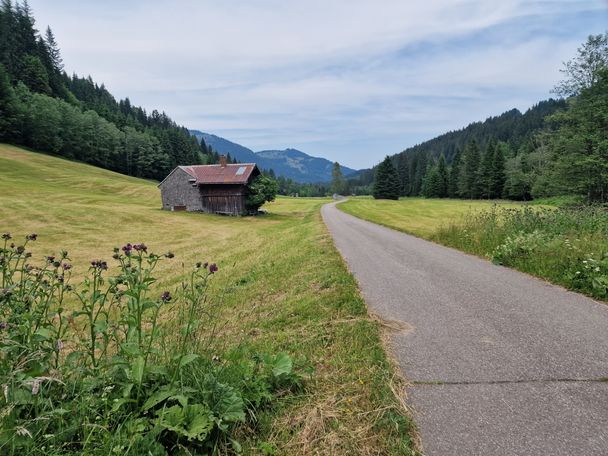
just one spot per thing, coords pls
(282, 286)
(418, 216)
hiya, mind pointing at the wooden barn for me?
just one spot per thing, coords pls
(218, 189)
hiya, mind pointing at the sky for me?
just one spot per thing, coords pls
(348, 80)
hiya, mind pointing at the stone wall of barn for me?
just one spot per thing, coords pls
(178, 193)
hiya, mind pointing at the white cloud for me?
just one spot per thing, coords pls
(321, 74)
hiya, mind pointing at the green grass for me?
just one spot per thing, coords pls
(418, 216)
(281, 286)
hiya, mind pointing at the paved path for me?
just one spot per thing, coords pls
(500, 363)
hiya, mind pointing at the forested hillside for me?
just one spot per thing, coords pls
(556, 147)
(44, 108)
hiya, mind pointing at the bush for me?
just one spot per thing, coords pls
(261, 190)
(109, 377)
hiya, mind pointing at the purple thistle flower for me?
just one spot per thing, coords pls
(205, 264)
(50, 259)
(213, 268)
(127, 249)
(141, 247)
(7, 236)
(20, 249)
(31, 237)
(165, 296)
(66, 266)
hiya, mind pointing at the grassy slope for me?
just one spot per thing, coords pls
(282, 284)
(418, 216)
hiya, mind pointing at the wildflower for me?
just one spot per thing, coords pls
(31, 237)
(199, 265)
(50, 259)
(116, 250)
(141, 247)
(7, 236)
(64, 254)
(56, 264)
(99, 264)
(127, 249)
(165, 296)
(66, 266)
(213, 268)
(169, 255)
(20, 249)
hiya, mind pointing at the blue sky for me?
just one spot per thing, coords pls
(349, 80)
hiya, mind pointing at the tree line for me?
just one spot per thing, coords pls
(557, 147)
(43, 108)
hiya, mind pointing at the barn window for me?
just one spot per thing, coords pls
(241, 170)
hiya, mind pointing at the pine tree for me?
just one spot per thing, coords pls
(386, 183)
(443, 177)
(468, 180)
(454, 174)
(431, 185)
(497, 181)
(53, 50)
(485, 171)
(404, 175)
(338, 186)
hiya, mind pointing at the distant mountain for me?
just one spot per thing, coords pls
(289, 163)
(223, 146)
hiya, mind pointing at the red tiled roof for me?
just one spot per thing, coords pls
(216, 174)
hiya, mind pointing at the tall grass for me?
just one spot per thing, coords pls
(567, 245)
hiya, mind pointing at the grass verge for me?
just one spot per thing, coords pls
(566, 245)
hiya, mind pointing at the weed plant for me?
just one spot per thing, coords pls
(108, 377)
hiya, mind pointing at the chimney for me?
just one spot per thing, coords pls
(223, 161)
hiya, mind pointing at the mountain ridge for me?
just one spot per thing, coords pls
(290, 163)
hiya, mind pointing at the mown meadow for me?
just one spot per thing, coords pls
(274, 348)
(558, 240)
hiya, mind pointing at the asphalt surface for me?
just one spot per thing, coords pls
(499, 363)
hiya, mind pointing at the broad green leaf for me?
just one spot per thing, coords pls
(137, 370)
(157, 398)
(282, 365)
(187, 359)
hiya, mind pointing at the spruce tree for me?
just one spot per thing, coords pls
(386, 183)
(431, 185)
(404, 175)
(53, 50)
(443, 177)
(338, 186)
(468, 180)
(485, 171)
(454, 174)
(497, 181)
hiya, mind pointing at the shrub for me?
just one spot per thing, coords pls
(109, 377)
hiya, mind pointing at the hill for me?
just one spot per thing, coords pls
(290, 163)
(512, 128)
